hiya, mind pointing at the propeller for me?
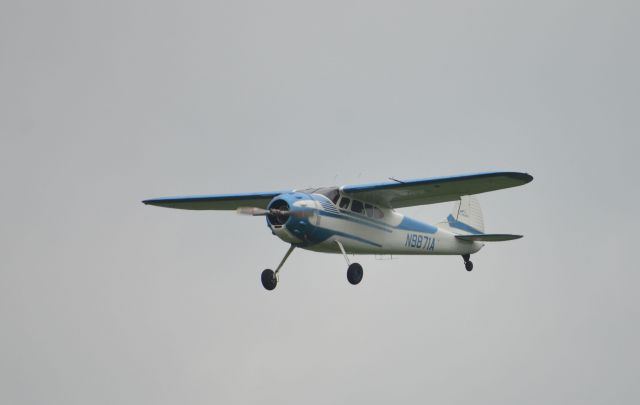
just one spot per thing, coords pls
(256, 212)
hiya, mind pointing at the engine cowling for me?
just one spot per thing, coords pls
(279, 212)
(293, 217)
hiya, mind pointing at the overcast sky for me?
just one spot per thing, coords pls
(106, 301)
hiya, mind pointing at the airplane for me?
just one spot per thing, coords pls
(362, 219)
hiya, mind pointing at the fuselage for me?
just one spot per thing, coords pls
(317, 220)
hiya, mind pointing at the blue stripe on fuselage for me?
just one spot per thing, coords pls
(409, 224)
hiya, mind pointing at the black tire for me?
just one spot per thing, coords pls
(468, 266)
(355, 273)
(269, 280)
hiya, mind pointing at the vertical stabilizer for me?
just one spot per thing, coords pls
(466, 217)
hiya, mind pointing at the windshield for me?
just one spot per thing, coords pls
(331, 193)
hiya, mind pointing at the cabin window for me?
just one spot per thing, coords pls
(368, 209)
(377, 213)
(344, 203)
(356, 206)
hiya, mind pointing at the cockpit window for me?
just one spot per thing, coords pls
(377, 213)
(356, 206)
(344, 203)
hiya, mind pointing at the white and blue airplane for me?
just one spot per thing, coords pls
(362, 219)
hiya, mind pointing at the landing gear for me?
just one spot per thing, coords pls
(467, 263)
(354, 271)
(269, 277)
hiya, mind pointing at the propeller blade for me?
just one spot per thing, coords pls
(252, 211)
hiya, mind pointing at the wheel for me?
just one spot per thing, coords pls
(354, 273)
(269, 280)
(468, 266)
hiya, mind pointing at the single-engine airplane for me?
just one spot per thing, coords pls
(362, 219)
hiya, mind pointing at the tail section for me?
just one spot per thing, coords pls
(467, 223)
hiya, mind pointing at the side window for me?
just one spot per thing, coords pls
(377, 213)
(356, 206)
(344, 203)
(368, 209)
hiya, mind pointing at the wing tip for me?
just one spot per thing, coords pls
(524, 177)
(154, 201)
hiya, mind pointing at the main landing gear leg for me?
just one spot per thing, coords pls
(269, 277)
(467, 263)
(354, 271)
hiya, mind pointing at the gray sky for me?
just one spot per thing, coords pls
(106, 301)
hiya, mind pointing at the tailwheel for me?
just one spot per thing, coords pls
(355, 273)
(269, 279)
(468, 265)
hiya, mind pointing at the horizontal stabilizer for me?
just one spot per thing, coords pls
(488, 237)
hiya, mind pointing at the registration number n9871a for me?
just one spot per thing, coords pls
(418, 241)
